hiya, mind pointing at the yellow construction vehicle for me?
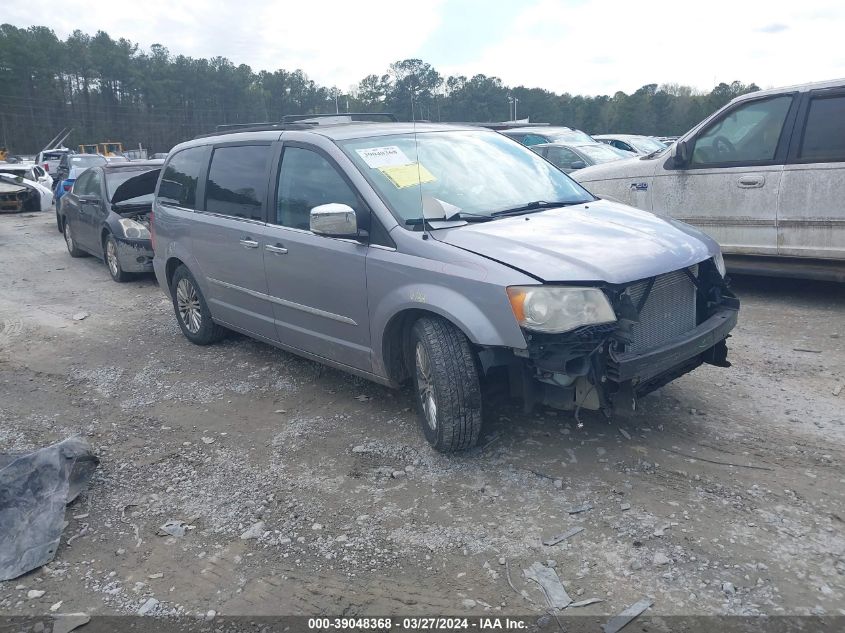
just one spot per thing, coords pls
(4, 153)
(109, 148)
(90, 148)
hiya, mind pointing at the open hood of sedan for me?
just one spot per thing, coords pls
(596, 241)
(141, 185)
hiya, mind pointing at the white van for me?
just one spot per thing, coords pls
(764, 176)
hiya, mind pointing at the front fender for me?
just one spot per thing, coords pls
(470, 292)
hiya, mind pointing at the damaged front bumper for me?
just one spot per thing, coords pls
(135, 255)
(666, 327)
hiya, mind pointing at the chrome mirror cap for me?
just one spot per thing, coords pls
(334, 220)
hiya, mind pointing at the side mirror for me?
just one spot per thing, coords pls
(683, 151)
(334, 220)
(577, 164)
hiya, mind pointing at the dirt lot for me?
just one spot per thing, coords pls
(733, 478)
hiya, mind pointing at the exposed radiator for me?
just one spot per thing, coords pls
(669, 310)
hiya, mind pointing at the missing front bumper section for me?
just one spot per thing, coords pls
(592, 368)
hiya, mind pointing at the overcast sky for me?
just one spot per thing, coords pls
(576, 46)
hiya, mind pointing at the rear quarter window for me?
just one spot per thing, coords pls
(824, 132)
(179, 181)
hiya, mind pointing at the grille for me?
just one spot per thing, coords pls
(669, 310)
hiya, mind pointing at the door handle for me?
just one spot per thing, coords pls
(750, 182)
(278, 249)
(248, 243)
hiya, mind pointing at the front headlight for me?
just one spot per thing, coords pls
(134, 230)
(720, 263)
(555, 309)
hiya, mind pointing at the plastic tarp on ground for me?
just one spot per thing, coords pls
(34, 490)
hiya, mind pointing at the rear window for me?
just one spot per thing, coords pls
(237, 181)
(179, 181)
(824, 138)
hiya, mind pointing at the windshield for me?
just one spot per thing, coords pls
(472, 173)
(600, 153)
(646, 144)
(86, 161)
(572, 136)
(116, 178)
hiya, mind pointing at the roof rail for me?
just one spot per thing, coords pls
(342, 117)
(233, 128)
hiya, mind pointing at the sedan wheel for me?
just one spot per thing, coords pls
(113, 260)
(69, 241)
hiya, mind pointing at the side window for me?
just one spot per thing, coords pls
(92, 188)
(562, 157)
(747, 134)
(80, 184)
(622, 145)
(532, 139)
(307, 180)
(237, 181)
(824, 131)
(179, 181)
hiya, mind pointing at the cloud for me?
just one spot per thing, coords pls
(564, 46)
(773, 28)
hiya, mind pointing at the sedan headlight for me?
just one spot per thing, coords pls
(134, 230)
(556, 309)
(720, 263)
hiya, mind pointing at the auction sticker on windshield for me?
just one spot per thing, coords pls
(378, 157)
(407, 175)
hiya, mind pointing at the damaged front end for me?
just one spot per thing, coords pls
(16, 196)
(665, 327)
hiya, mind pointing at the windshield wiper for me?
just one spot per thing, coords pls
(537, 205)
(464, 216)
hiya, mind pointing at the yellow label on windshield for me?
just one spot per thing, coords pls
(407, 175)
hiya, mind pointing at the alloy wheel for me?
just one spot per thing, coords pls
(425, 386)
(111, 258)
(188, 304)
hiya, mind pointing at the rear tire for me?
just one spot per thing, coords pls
(113, 261)
(192, 311)
(72, 248)
(446, 384)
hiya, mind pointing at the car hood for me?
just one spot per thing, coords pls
(599, 241)
(143, 184)
(635, 167)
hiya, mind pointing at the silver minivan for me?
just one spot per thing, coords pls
(437, 255)
(764, 175)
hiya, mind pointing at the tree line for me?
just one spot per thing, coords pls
(112, 90)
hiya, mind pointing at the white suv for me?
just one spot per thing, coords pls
(764, 176)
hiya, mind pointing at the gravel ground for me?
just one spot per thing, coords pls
(303, 490)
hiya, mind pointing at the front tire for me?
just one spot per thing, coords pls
(72, 248)
(446, 384)
(113, 261)
(192, 311)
